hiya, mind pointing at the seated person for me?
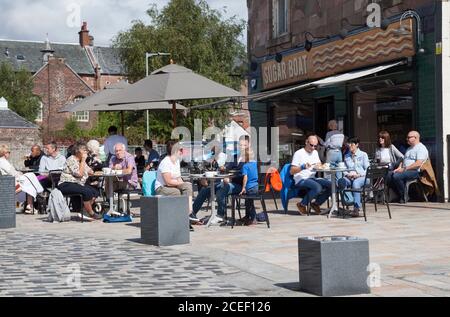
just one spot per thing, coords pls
(415, 157)
(302, 168)
(249, 187)
(94, 162)
(122, 161)
(153, 156)
(359, 161)
(73, 180)
(227, 187)
(33, 160)
(169, 181)
(139, 159)
(27, 183)
(51, 161)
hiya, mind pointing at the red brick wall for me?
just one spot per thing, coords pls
(57, 85)
(321, 18)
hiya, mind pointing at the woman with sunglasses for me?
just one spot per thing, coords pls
(386, 152)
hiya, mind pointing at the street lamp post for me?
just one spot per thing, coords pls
(147, 55)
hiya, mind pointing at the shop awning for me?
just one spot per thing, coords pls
(332, 80)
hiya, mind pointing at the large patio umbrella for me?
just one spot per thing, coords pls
(96, 102)
(171, 83)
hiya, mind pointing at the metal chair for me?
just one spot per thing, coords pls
(374, 183)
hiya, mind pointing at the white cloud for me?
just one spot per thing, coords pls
(31, 20)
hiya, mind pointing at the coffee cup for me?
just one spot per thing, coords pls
(106, 170)
(119, 172)
(341, 165)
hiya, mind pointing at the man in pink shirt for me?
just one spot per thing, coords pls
(123, 161)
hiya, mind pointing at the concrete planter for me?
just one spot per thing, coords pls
(7, 202)
(334, 266)
(165, 220)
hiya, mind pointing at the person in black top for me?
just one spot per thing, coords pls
(32, 161)
(139, 159)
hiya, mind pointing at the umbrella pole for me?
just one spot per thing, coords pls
(174, 114)
(123, 123)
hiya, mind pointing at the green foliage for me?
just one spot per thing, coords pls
(198, 38)
(17, 88)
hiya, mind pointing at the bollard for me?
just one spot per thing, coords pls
(165, 220)
(7, 202)
(334, 266)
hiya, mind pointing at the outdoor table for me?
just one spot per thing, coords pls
(213, 194)
(110, 188)
(333, 172)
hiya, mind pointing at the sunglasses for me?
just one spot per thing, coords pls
(409, 137)
(314, 145)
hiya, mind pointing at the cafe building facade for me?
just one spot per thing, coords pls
(311, 61)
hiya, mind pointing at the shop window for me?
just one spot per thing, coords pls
(295, 122)
(280, 17)
(388, 108)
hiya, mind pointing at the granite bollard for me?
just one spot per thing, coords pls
(334, 266)
(7, 202)
(165, 220)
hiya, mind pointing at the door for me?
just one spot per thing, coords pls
(323, 113)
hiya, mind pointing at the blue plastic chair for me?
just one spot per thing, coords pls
(148, 183)
(288, 190)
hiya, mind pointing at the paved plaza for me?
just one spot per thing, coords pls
(44, 259)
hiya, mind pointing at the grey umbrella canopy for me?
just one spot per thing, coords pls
(96, 102)
(171, 83)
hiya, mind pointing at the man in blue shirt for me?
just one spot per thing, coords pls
(358, 162)
(153, 156)
(409, 169)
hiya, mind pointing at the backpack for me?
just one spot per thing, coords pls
(57, 207)
(273, 178)
(148, 183)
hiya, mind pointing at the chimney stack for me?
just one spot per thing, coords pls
(84, 35)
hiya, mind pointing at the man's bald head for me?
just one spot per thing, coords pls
(312, 142)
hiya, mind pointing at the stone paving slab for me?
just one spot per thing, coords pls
(412, 251)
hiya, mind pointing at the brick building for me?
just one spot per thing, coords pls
(312, 61)
(64, 73)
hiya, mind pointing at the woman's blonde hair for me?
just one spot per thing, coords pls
(3, 149)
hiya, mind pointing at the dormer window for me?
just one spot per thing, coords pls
(20, 57)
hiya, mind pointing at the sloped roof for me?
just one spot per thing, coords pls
(11, 120)
(75, 56)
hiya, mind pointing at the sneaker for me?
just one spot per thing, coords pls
(28, 209)
(193, 218)
(355, 213)
(191, 228)
(316, 208)
(303, 210)
(86, 216)
(216, 220)
(402, 202)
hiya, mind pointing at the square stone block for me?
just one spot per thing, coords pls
(7, 202)
(334, 266)
(165, 220)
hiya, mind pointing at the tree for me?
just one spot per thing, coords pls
(197, 37)
(17, 88)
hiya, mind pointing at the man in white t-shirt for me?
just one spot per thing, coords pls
(303, 169)
(168, 176)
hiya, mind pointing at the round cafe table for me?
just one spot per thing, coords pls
(333, 172)
(111, 177)
(213, 189)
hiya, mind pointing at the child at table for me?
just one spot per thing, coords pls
(249, 172)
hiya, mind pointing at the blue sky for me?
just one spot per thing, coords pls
(32, 20)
